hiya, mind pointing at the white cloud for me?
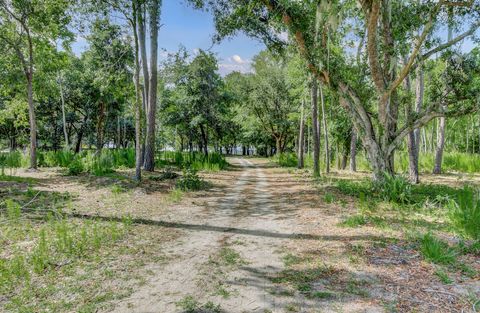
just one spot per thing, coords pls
(235, 63)
(226, 68)
(237, 59)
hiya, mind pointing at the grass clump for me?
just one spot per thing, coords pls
(190, 305)
(395, 188)
(444, 278)
(230, 257)
(464, 213)
(354, 221)
(190, 181)
(436, 250)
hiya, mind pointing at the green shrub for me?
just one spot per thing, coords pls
(99, 165)
(436, 251)
(75, 167)
(395, 188)
(286, 159)
(464, 213)
(190, 181)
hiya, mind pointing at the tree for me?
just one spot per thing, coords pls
(25, 28)
(380, 131)
(108, 60)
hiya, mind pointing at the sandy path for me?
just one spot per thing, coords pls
(247, 215)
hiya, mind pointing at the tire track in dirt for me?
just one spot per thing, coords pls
(172, 282)
(253, 290)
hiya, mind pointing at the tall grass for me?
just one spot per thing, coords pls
(195, 160)
(464, 213)
(452, 162)
(109, 160)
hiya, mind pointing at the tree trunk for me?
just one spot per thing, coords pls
(152, 97)
(32, 120)
(343, 165)
(278, 146)
(64, 119)
(437, 169)
(315, 133)
(301, 138)
(414, 137)
(325, 132)
(100, 122)
(440, 146)
(353, 151)
(119, 134)
(204, 140)
(138, 105)
(411, 142)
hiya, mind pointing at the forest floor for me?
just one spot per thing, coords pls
(259, 239)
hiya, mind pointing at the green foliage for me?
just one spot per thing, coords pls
(190, 181)
(354, 221)
(286, 159)
(436, 251)
(395, 188)
(195, 160)
(75, 167)
(13, 210)
(464, 213)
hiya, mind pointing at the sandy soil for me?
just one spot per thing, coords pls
(262, 215)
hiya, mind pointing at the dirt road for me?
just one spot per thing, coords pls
(248, 223)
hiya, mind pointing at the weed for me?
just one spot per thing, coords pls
(117, 189)
(357, 287)
(322, 295)
(329, 198)
(444, 278)
(222, 291)
(290, 259)
(436, 251)
(190, 181)
(292, 307)
(354, 221)
(189, 305)
(175, 195)
(230, 257)
(13, 210)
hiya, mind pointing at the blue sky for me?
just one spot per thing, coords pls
(183, 25)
